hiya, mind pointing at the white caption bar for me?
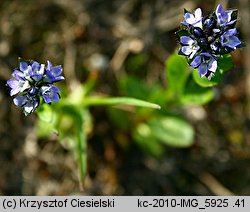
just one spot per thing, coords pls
(125, 203)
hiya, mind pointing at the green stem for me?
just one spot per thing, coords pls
(81, 147)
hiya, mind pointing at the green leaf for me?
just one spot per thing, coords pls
(139, 89)
(176, 68)
(82, 148)
(147, 141)
(44, 128)
(134, 87)
(78, 115)
(99, 100)
(225, 63)
(172, 131)
(46, 124)
(204, 82)
(195, 94)
(45, 113)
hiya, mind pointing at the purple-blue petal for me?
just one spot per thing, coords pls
(232, 42)
(55, 89)
(221, 13)
(59, 78)
(229, 39)
(186, 50)
(188, 16)
(53, 78)
(212, 65)
(37, 77)
(231, 32)
(30, 106)
(50, 94)
(224, 16)
(20, 100)
(50, 76)
(35, 65)
(12, 83)
(53, 97)
(18, 74)
(202, 69)
(49, 65)
(57, 70)
(232, 22)
(219, 10)
(186, 40)
(15, 86)
(196, 62)
(23, 66)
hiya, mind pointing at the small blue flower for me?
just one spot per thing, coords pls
(53, 73)
(19, 82)
(205, 63)
(191, 46)
(229, 39)
(50, 94)
(224, 17)
(27, 102)
(37, 71)
(32, 82)
(193, 19)
(17, 85)
(24, 70)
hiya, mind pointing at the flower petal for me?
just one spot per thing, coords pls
(55, 89)
(229, 39)
(186, 40)
(20, 100)
(35, 65)
(194, 52)
(224, 16)
(198, 14)
(202, 69)
(219, 10)
(57, 70)
(230, 32)
(23, 66)
(212, 65)
(50, 94)
(186, 50)
(18, 74)
(12, 83)
(189, 18)
(30, 107)
(196, 62)
(232, 42)
(49, 65)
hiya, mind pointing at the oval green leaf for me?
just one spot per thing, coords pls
(172, 131)
(195, 94)
(224, 64)
(204, 82)
(176, 68)
(147, 141)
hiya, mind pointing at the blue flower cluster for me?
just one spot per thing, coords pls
(33, 80)
(204, 39)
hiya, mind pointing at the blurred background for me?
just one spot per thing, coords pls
(122, 46)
